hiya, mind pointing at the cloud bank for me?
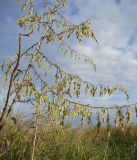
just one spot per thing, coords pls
(114, 23)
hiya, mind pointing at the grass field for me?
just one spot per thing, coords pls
(68, 144)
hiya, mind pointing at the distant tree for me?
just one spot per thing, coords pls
(24, 75)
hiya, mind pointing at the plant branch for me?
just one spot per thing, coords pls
(81, 104)
(11, 81)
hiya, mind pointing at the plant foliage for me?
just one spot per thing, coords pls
(28, 84)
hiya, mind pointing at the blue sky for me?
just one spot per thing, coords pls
(114, 23)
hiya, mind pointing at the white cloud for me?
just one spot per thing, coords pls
(116, 59)
(115, 25)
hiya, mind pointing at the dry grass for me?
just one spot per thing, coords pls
(67, 143)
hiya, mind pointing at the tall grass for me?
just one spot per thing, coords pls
(67, 143)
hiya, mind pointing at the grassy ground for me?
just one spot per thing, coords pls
(68, 144)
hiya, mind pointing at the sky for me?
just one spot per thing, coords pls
(115, 26)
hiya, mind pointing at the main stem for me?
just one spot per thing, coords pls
(11, 83)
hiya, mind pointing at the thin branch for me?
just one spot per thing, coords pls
(35, 137)
(81, 104)
(77, 77)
